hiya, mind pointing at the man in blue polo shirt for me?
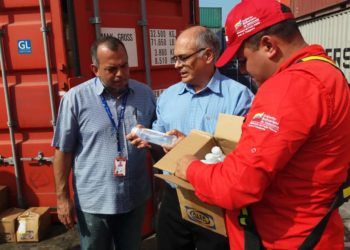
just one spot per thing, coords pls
(194, 103)
(111, 183)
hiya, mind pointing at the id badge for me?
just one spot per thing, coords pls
(119, 166)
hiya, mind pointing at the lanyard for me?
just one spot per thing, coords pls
(120, 117)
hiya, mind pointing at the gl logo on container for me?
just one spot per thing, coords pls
(24, 46)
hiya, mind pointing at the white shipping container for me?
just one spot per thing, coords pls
(333, 33)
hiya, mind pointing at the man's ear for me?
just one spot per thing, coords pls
(269, 45)
(210, 56)
(94, 69)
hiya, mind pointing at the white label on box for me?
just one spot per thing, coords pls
(22, 228)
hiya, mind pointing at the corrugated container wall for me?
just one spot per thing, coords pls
(302, 7)
(210, 17)
(32, 83)
(331, 31)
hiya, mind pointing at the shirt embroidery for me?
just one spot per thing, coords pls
(264, 122)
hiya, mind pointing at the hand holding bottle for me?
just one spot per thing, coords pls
(179, 135)
(136, 140)
(153, 136)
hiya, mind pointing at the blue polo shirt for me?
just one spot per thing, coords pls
(179, 107)
(83, 127)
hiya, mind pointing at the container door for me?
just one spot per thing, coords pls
(29, 98)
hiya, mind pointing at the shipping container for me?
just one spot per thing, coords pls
(210, 17)
(45, 51)
(332, 32)
(302, 7)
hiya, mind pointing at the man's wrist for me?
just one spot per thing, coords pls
(62, 196)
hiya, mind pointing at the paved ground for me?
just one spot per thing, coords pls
(60, 239)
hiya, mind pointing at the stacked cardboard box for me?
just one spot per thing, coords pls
(33, 225)
(199, 143)
(8, 224)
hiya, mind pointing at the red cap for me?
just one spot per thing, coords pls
(248, 18)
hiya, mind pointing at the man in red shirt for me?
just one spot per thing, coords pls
(294, 151)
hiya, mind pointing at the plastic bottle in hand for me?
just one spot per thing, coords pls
(154, 136)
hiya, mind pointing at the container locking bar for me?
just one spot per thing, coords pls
(40, 158)
(6, 161)
(10, 123)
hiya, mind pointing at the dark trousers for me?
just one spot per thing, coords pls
(175, 233)
(98, 231)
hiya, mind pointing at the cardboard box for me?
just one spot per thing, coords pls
(33, 224)
(227, 134)
(3, 198)
(8, 224)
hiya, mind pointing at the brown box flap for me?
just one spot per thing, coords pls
(196, 143)
(176, 180)
(11, 214)
(228, 131)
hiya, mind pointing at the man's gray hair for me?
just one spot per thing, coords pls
(111, 43)
(208, 39)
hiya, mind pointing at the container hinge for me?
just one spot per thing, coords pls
(142, 23)
(95, 20)
(6, 161)
(39, 158)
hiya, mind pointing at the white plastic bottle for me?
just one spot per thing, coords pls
(154, 136)
(215, 156)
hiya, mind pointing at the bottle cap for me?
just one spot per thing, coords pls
(216, 150)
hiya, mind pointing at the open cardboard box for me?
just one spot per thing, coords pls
(227, 134)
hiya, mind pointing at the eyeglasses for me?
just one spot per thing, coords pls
(184, 58)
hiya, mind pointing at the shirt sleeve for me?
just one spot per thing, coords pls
(67, 127)
(244, 102)
(158, 124)
(280, 121)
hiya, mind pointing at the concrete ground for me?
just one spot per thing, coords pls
(61, 239)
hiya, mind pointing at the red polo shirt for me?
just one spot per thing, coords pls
(292, 157)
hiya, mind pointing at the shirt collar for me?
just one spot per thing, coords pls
(100, 88)
(311, 50)
(213, 85)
